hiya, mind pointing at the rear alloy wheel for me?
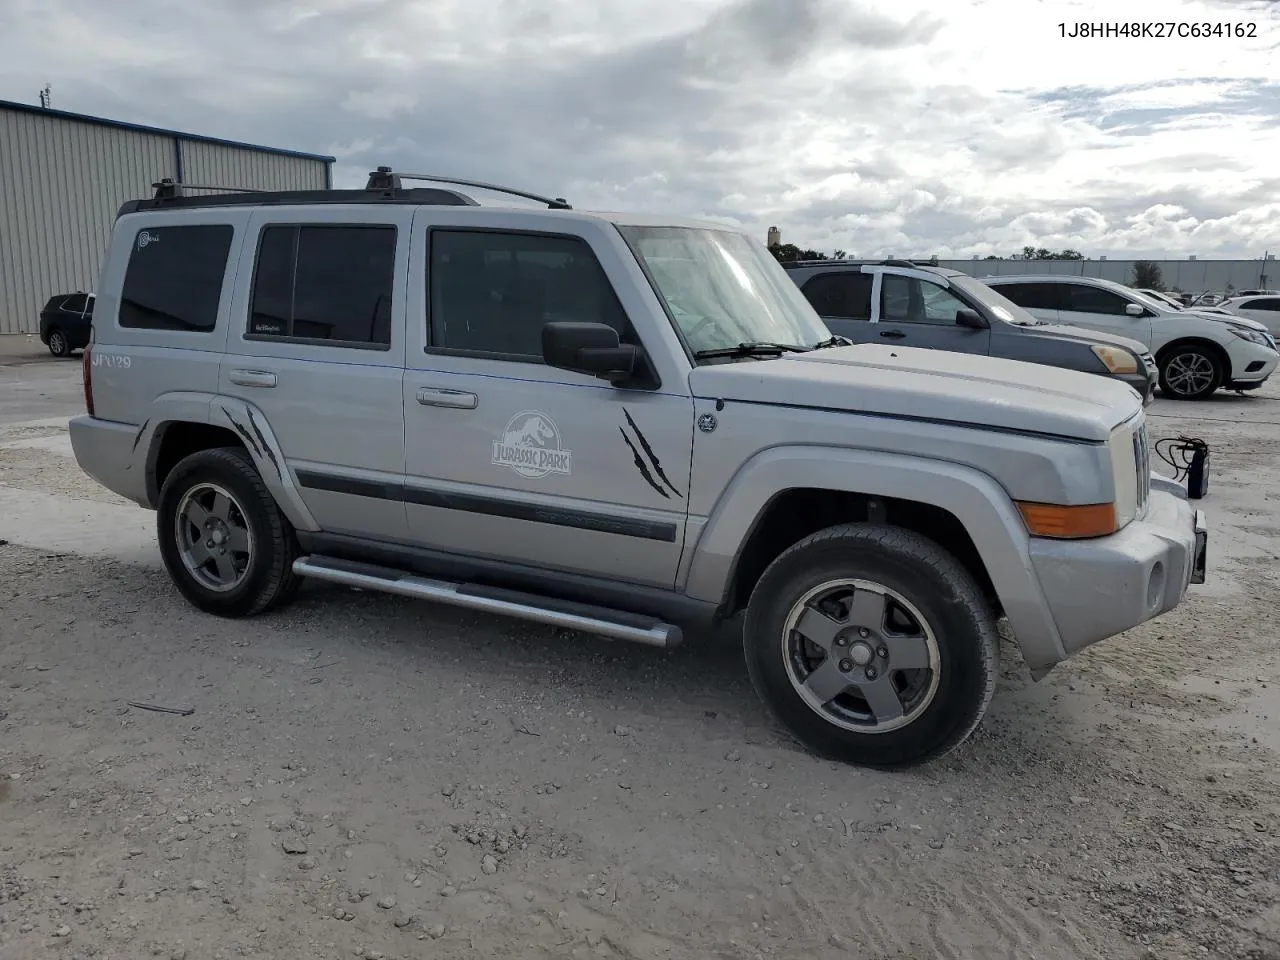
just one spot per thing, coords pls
(59, 345)
(1189, 373)
(223, 539)
(872, 645)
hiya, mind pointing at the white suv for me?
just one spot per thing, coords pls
(1264, 308)
(1197, 353)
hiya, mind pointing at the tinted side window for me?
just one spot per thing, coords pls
(1032, 296)
(174, 277)
(846, 296)
(324, 282)
(1080, 298)
(491, 292)
(76, 303)
(1267, 303)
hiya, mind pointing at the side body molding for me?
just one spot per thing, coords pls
(973, 497)
(244, 420)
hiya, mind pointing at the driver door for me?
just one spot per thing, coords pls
(917, 312)
(512, 460)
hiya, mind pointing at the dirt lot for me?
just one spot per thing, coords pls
(369, 776)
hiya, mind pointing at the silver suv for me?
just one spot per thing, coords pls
(625, 425)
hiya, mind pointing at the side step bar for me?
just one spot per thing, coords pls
(612, 624)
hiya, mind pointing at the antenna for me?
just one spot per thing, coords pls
(46, 97)
(384, 178)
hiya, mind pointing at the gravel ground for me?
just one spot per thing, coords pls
(370, 776)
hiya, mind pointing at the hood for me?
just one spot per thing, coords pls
(1229, 321)
(918, 383)
(1068, 332)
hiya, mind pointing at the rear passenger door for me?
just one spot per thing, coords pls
(1042, 300)
(843, 300)
(317, 346)
(919, 312)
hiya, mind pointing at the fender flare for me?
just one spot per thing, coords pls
(975, 499)
(244, 420)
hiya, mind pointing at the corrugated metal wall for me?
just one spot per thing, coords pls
(62, 181)
(61, 184)
(1188, 276)
(226, 166)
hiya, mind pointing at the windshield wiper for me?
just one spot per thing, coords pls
(750, 348)
(835, 341)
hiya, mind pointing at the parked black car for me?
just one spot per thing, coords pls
(65, 322)
(925, 306)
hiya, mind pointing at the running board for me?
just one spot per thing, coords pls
(611, 624)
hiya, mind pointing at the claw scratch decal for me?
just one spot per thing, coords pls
(266, 447)
(642, 466)
(141, 430)
(245, 435)
(650, 459)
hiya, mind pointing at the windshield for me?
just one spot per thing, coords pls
(996, 302)
(1149, 301)
(721, 289)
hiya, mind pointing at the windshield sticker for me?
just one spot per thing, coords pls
(531, 446)
(648, 464)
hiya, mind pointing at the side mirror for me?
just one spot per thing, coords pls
(1135, 310)
(592, 348)
(970, 320)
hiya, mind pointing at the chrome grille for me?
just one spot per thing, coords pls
(1142, 462)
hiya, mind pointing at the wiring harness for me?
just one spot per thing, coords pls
(1189, 457)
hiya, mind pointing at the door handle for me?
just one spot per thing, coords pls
(892, 334)
(444, 397)
(253, 378)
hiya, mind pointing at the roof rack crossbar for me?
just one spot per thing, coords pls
(168, 188)
(384, 178)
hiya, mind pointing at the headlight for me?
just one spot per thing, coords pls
(1254, 336)
(1115, 359)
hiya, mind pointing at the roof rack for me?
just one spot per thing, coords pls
(384, 178)
(170, 193)
(170, 189)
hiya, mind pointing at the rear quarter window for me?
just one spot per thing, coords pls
(174, 277)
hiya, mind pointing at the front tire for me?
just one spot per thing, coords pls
(1190, 373)
(872, 645)
(59, 345)
(225, 543)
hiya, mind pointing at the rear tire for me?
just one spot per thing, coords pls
(1190, 373)
(872, 645)
(59, 345)
(226, 545)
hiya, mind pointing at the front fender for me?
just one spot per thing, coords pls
(244, 420)
(973, 497)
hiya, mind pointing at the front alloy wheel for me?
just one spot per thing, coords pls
(861, 656)
(872, 644)
(1189, 373)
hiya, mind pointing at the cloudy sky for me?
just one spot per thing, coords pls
(880, 127)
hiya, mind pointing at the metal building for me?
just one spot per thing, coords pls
(1182, 276)
(64, 175)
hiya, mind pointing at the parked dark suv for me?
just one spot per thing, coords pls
(65, 322)
(921, 306)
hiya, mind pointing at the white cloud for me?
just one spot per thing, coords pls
(876, 126)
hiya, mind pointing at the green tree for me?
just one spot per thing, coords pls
(789, 253)
(1042, 253)
(1147, 275)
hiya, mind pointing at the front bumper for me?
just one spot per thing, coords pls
(1251, 363)
(1098, 588)
(1143, 383)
